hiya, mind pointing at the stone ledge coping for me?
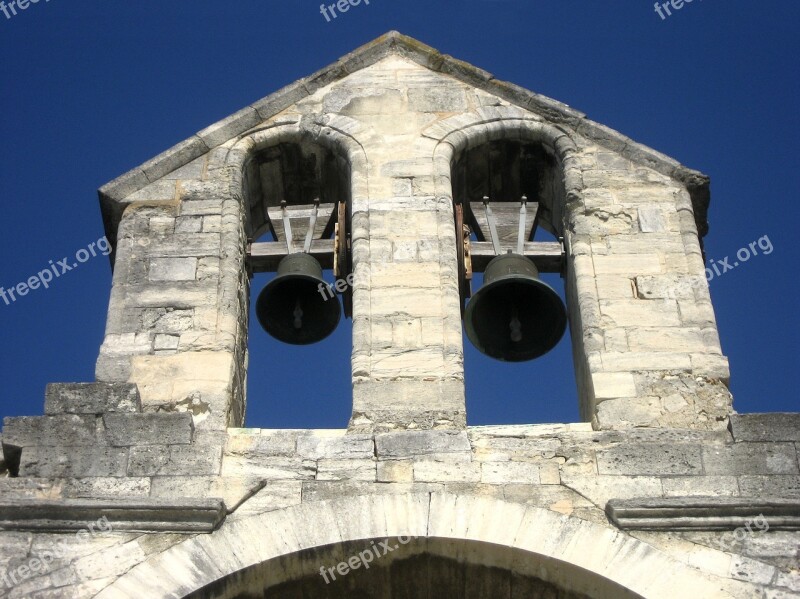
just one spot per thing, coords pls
(703, 513)
(183, 515)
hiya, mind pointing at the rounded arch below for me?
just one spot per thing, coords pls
(574, 556)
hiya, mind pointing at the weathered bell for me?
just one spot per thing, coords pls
(298, 306)
(514, 316)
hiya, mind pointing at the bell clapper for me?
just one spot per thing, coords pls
(516, 327)
(298, 316)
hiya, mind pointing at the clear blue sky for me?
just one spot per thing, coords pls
(92, 89)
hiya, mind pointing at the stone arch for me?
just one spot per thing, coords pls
(494, 123)
(573, 554)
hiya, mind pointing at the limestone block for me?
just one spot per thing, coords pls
(188, 224)
(49, 431)
(408, 444)
(628, 412)
(124, 430)
(435, 471)
(668, 286)
(335, 445)
(751, 458)
(600, 489)
(99, 487)
(262, 442)
(666, 339)
(765, 427)
(437, 99)
(273, 468)
(711, 365)
(175, 460)
(173, 269)
(640, 313)
(628, 264)
(91, 398)
(614, 287)
(510, 472)
(74, 462)
(608, 385)
(396, 471)
(616, 361)
(346, 469)
(687, 486)
(651, 220)
(651, 459)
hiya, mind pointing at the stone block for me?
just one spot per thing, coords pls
(685, 486)
(510, 473)
(396, 471)
(432, 471)
(765, 427)
(173, 269)
(751, 458)
(627, 264)
(273, 468)
(175, 460)
(651, 220)
(651, 459)
(103, 486)
(261, 442)
(91, 398)
(49, 431)
(124, 430)
(609, 385)
(346, 469)
(437, 99)
(774, 485)
(640, 313)
(335, 445)
(73, 462)
(408, 444)
(600, 489)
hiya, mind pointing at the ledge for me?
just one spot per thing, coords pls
(124, 514)
(703, 513)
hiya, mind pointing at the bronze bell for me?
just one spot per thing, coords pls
(515, 316)
(298, 306)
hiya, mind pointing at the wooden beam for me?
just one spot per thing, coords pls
(265, 256)
(546, 255)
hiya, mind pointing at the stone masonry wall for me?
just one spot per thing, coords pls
(644, 336)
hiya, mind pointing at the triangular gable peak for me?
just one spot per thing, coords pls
(115, 195)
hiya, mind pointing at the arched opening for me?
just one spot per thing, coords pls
(407, 568)
(285, 183)
(513, 191)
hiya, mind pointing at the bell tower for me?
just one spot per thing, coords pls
(404, 188)
(397, 173)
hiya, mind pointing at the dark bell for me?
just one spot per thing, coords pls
(515, 316)
(298, 306)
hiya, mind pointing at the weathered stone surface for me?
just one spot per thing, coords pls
(650, 459)
(184, 515)
(751, 458)
(175, 460)
(73, 462)
(410, 443)
(765, 427)
(704, 513)
(48, 431)
(91, 398)
(774, 486)
(334, 445)
(124, 430)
